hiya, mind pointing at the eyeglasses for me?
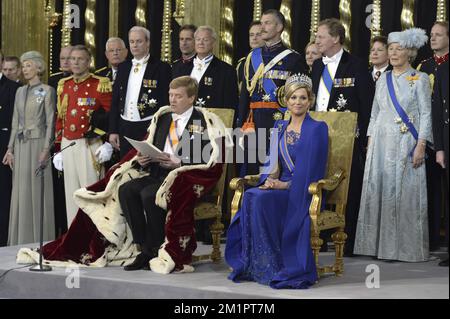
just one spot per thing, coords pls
(114, 50)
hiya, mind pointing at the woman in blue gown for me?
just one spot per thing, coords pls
(269, 238)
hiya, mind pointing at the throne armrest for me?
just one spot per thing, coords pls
(315, 189)
(238, 185)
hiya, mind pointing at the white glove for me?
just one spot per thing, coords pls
(58, 162)
(104, 152)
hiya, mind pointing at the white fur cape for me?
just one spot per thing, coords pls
(104, 209)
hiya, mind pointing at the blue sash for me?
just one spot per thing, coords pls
(268, 85)
(285, 153)
(401, 112)
(327, 79)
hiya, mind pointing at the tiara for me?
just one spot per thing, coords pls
(299, 78)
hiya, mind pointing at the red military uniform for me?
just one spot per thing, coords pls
(77, 100)
(79, 104)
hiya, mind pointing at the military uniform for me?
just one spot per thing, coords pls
(152, 94)
(8, 90)
(179, 66)
(434, 171)
(78, 102)
(54, 78)
(240, 73)
(107, 72)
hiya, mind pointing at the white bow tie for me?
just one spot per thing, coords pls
(199, 64)
(327, 60)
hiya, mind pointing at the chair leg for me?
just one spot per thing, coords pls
(316, 243)
(339, 238)
(216, 231)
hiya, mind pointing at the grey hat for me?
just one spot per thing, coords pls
(410, 38)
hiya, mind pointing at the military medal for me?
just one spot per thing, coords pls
(277, 116)
(341, 102)
(75, 88)
(136, 68)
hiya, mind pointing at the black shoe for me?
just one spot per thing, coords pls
(444, 263)
(140, 262)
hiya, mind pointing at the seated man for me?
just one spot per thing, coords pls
(145, 202)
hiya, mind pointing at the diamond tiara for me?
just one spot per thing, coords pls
(299, 78)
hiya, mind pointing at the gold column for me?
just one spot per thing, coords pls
(66, 30)
(113, 18)
(89, 34)
(179, 12)
(375, 27)
(346, 19)
(24, 27)
(166, 43)
(285, 9)
(407, 16)
(315, 17)
(52, 21)
(226, 31)
(141, 9)
(441, 13)
(257, 10)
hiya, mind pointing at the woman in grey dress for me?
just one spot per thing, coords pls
(31, 134)
(392, 221)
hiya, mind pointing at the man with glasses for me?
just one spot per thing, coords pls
(116, 52)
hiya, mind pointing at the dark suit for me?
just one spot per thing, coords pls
(357, 94)
(434, 171)
(372, 83)
(440, 124)
(8, 90)
(137, 197)
(218, 85)
(154, 87)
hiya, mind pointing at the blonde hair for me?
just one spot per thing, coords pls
(187, 82)
(291, 88)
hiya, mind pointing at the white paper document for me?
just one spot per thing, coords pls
(144, 148)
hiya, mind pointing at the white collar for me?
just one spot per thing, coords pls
(144, 60)
(334, 58)
(1, 74)
(205, 59)
(375, 69)
(184, 116)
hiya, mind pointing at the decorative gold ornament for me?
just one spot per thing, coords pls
(226, 31)
(407, 16)
(179, 12)
(315, 17)
(139, 14)
(375, 27)
(345, 13)
(285, 9)
(257, 10)
(89, 34)
(166, 42)
(66, 29)
(441, 12)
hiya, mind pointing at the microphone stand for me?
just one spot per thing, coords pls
(40, 172)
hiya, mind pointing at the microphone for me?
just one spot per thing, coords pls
(44, 163)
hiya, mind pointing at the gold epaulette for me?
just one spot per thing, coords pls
(100, 70)
(104, 85)
(61, 82)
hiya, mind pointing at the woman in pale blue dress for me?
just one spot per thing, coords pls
(392, 221)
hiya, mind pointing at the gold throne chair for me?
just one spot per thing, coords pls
(210, 206)
(341, 132)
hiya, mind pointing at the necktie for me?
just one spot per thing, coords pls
(376, 76)
(327, 60)
(173, 135)
(114, 75)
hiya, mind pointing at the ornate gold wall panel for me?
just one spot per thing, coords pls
(226, 31)
(441, 12)
(375, 28)
(315, 18)
(285, 9)
(113, 18)
(346, 19)
(89, 34)
(407, 16)
(196, 12)
(24, 27)
(141, 9)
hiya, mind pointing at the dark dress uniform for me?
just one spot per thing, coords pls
(440, 125)
(218, 85)
(262, 103)
(240, 73)
(54, 78)
(137, 197)
(373, 82)
(106, 72)
(179, 65)
(154, 93)
(350, 92)
(8, 90)
(435, 173)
